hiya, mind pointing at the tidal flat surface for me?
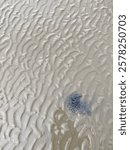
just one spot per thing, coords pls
(48, 50)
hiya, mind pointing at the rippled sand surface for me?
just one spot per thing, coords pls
(48, 50)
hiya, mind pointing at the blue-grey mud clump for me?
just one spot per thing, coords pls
(75, 104)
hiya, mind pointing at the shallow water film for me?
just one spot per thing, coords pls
(56, 75)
